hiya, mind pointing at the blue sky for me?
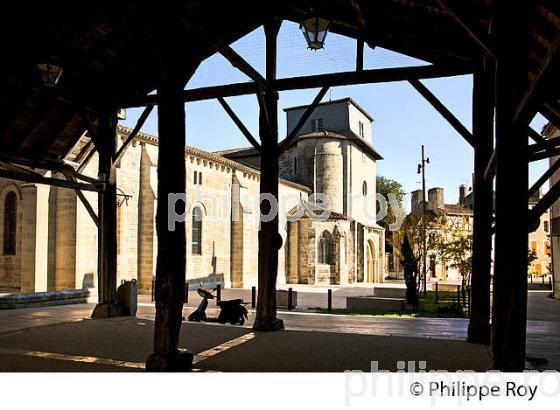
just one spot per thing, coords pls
(403, 119)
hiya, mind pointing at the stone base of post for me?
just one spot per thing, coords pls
(479, 334)
(179, 361)
(107, 310)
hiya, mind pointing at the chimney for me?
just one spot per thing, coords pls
(435, 199)
(416, 199)
(463, 195)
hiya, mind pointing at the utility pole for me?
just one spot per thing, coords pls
(421, 169)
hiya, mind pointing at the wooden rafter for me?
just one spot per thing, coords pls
(85, 203)
(141, 120)
(37, 178)
(239, 62)
(239, 124)
(480, 38)
(380, 75)
(545, 177)
(442, 109)
(303, 119)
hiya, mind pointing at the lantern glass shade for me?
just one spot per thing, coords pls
(315, 30)
(50, 73)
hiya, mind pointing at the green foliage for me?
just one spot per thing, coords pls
(386, 186)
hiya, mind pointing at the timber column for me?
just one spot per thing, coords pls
(509, 310)
(270, 240)
(106, 144)
(171, 255)
(483, 131)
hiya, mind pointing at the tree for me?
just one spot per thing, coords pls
(456, 247)
(386, 187)
(409, 263)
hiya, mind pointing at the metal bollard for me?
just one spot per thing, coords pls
(289, 298)
(187, 292)
(329, 300)
(437, 293)
(253, 296)
(218, 293)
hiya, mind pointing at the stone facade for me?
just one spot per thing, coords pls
(460, 216)
(57, 239)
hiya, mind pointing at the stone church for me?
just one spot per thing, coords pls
(48, 239)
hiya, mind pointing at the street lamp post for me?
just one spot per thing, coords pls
(421, 169)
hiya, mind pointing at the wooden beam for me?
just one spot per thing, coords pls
(483, 130)
(239, 62)
(269, 238)
(85, 203)
(171, 245)
(551, 114)
(359, 55)
(544, 154)
(303, 119)
(33, 177)
(141, 120)
(528, 105)
(86, 160)
(548, 199)
(510, 25)
(445, 113)
(545, 177)
(239, 124)
(480, 38)
(380, 75)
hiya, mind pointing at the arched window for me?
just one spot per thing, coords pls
(197, 231)
(326, 249)
(10, 224)
(364, 188)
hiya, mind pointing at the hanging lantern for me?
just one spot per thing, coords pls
(315, 30)
(50, 73)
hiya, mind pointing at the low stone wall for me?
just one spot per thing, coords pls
(383, 292)
(377, 303)
(282, 298)
(41, 299)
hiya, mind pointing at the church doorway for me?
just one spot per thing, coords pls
(370, 261)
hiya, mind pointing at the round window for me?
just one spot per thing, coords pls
(364, 188)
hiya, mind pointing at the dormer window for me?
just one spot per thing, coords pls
(361, 128)
(313, 125)
(320, 126)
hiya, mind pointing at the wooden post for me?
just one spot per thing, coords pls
(270, 240)
(107, 214)
(483, 130)
(171, 256)
(509, 308)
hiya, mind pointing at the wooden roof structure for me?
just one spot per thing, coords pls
(116, 54)
(111, 55)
